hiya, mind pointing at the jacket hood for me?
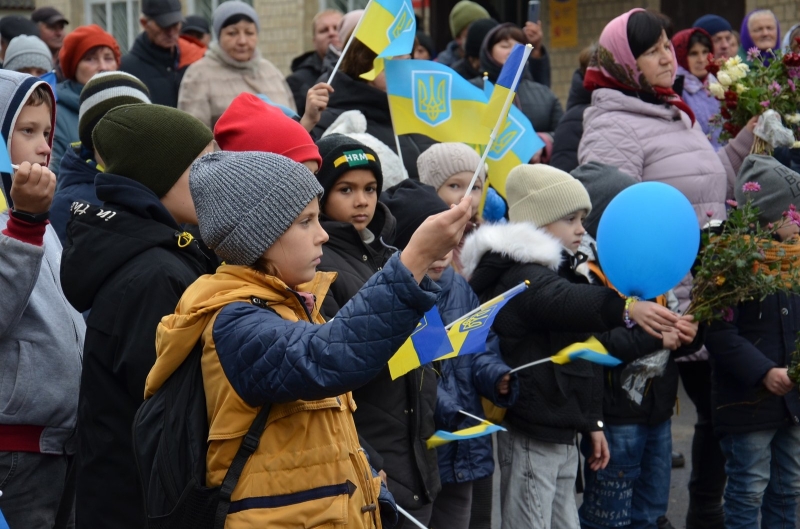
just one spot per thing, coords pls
(310, 60)
(578, 94)
(215, 53)
(355, 95)
(100, 240)
(611, 100)
(521, 242)
(178, 333)
(15, 89)
(488, 64)
(148, 52)
(344, 235)
(69, 95)
(74, 170)
(693, 84)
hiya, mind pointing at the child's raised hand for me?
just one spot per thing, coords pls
(33, 188)
(652, 317)
(316, 103)
(778, 382)
(435, 238)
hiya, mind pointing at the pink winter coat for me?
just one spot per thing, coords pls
(657, 143)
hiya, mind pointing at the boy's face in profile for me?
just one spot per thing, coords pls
(31, 135)
(438, 267)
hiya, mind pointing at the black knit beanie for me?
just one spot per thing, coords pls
(410, 203)
(342, 153)
(151, 144)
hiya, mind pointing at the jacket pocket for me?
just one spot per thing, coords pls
(607, 501)
(8, 466)
(15, 374)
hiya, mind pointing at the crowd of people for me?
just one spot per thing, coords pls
(187, 197)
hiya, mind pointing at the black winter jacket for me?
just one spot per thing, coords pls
(560, 308)
(374, 104)
(570, 129)
(306, 69)
(75, 183)
(760, 336)
(157, 68)
(394, 417)
(123, 261)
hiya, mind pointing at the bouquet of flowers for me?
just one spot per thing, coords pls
(772, 83)
(743, 262)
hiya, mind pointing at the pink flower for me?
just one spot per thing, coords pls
(794, 218)
(709, 213)
(765, 104)
(752, 53)
(727, 314)
(794, 73)
(770, 226)
(792, 207)
(751, 187)
(775, 87)
(791, 84)
(732, 203)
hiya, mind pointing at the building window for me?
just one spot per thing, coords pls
(120, 18)
(205, 8)
(345, 6)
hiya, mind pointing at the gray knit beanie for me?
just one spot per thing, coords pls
(443, 160)
(232, 8)
(780, 186)
(246, 200)
(542, 194)
(27, 51)
(603, 183)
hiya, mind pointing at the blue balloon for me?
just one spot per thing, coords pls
(648, 239)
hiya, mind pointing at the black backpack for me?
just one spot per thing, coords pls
(170, 442)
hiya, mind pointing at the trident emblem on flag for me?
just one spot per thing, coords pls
(432, 96)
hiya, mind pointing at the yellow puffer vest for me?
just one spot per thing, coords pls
(309, 470)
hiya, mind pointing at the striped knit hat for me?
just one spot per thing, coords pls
(104, 91)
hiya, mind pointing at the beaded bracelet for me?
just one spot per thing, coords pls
(626, 317)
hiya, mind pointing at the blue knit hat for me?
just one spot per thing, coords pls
(713, 24)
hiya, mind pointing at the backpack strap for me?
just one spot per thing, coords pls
(246, 449)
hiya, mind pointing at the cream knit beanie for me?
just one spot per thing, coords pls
(443, 160)
(542, 194)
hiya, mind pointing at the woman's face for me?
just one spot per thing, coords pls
(764, 31)
(96, 60)
(656, 64)
(502, 50)
(698, 60)
(239, 40)
(422, 53)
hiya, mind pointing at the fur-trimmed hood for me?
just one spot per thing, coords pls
(523, 242)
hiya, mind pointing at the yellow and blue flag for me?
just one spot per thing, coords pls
(441, 437)
(429, 98)
(591, 350)
(468, 335)
(515, 144)
(388, 27)
(428, 341)
(507, 83)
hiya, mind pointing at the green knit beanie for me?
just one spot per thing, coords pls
(463, 14)
(151, 144)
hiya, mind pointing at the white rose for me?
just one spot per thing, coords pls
(724, 79)
(717, 91)
(733, 61)
(792, 118)
(740, 88)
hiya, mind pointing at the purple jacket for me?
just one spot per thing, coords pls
(703, 104)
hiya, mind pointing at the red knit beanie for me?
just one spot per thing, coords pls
(250, 124)
(81, 40)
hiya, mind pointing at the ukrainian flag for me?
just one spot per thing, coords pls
(428, 341)
(388, 27)
(468, 335)
(440, 437)
(515, 144)
(591, 350)
(507, 83)
(431, 99)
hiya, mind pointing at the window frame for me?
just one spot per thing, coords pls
(133, 19)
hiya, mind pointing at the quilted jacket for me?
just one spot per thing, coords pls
(657, 143)
(703, 104)
(463, 380)
(261, 343)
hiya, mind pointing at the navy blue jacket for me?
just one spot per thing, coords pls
(761, 336)
(462, 382)
(75, 183)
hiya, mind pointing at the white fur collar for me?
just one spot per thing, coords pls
(520, 241)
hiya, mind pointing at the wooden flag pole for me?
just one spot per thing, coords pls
(347, 46)
(501, 118)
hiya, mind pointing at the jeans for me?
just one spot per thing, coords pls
(38, 490)
(763, 475)
(633, 490)
(452, 506)
(537, 483)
